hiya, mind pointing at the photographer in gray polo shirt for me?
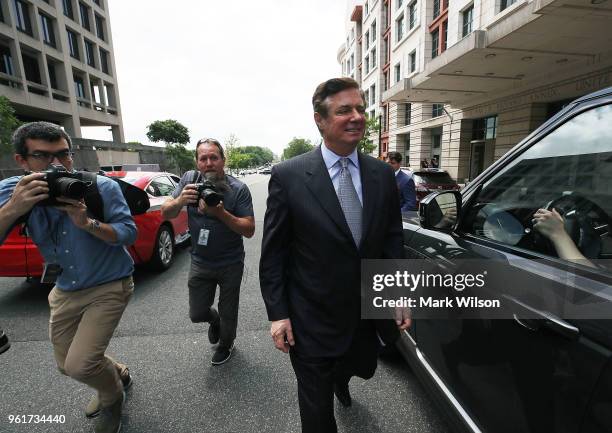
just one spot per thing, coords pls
(217, 255)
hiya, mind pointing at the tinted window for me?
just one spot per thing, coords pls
(434, 178)
(569, 170)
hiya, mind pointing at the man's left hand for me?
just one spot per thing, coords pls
(76, 210)
(215, 211)
(403, 318)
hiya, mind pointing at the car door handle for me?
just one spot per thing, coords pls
(542, 319)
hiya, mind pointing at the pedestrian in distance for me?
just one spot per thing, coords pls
(85, 258)
(326, 211)
(405, 183)
(220, 213)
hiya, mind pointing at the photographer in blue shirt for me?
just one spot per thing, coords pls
(89, 259)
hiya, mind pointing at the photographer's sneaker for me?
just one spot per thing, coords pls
(214, 330)
(4, 342)
(222, 355)
(109, 420)
(93, 408)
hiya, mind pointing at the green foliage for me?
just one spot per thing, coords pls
(183, 158)
(8, 124)
(296, 147)
(366, 145)
(237, 157)
(257, 156)
(168, 131)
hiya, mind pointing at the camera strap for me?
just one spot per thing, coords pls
(197, 176)
(93, 199)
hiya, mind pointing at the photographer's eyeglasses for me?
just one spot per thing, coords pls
(62, 155)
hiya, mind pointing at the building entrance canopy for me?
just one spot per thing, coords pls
(527, 45)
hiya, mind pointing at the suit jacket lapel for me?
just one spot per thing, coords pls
(320, 185)
(371, 192)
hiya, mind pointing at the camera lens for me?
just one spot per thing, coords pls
(211, 198)
(71, 188)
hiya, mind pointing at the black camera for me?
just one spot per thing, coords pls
(63, 183)
(208, 192)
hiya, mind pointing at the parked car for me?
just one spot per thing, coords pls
(539, 374)
(156, 240)
(428, 180)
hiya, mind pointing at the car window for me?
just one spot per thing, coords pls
(569, 170)
(434, 178)
(161, 186)
(176, 179)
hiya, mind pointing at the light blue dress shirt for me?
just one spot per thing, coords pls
(86, 260)
(332, 162)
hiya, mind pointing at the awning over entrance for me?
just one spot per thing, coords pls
(527, 43)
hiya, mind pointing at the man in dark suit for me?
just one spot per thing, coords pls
(405, 183)
(327, 210)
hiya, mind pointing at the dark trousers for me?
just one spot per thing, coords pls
(316, 377)
(202, 285)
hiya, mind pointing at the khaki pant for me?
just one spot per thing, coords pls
(80, 328)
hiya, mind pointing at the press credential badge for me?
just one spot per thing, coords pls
(203, 237)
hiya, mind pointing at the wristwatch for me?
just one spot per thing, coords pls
(94, 225)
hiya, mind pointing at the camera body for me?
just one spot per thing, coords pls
(63, 183)
(208, 192)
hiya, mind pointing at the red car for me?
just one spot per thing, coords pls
(19, 257)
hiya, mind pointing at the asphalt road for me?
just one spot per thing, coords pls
(175, 387)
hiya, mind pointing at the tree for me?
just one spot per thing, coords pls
(168, 131)
(8, 124)
(175, 136)
(296, 147)
(236, 160)
(182, 157)
(232, 141)
(366, 145)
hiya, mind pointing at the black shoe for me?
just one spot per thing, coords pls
(342, 394)
(4, 342)
(214, 330)
(222, 355)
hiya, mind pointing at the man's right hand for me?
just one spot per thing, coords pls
(30, 190)
(189, 195)
(282, 334)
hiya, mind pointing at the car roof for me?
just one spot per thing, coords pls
(138, 178)
(594, 95)
(137, 174)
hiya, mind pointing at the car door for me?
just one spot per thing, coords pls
(537, 371)
(163, 187)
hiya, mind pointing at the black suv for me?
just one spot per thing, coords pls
(546, 372)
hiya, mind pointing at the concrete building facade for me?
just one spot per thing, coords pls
(57, 63)
(465, 81)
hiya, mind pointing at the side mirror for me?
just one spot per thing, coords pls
(440, 211)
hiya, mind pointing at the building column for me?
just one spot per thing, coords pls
(117, 131)
(72, 125)
(464, 149)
